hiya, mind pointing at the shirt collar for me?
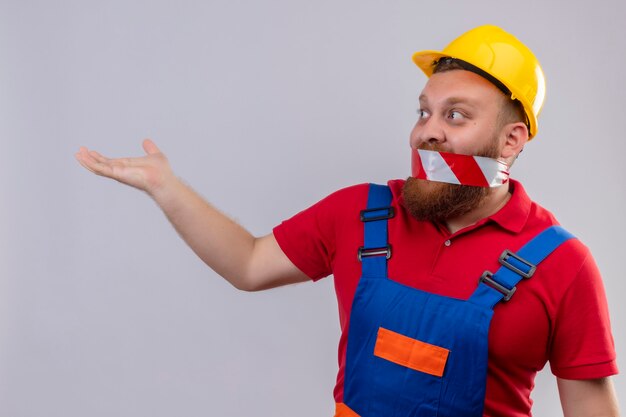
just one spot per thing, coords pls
(514, 215)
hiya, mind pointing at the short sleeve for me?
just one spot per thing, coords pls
(582, 345)
(309, 239)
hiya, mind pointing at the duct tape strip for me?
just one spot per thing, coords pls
(478, 171)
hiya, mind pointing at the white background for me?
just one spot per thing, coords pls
(264, 107)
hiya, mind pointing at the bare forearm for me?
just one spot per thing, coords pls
(220, 242)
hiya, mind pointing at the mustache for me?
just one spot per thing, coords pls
(439, 148)
(489, 151)
(432, 147)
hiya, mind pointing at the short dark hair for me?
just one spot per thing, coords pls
(511, 112)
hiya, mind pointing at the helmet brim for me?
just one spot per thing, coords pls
(426, 60)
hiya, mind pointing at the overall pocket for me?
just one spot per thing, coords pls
(408, 375)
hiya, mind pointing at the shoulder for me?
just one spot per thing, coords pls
(338, 211)
(354, 197)
(331, 210)
(395, 185)
(347, 195)
(539, 218)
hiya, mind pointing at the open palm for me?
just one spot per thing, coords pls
(148, 173)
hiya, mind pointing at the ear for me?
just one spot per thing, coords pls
(515, 136)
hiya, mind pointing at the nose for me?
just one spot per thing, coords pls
(427, 132)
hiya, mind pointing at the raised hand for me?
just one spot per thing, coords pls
(149, 173)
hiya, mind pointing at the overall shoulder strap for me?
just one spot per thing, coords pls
(501, 285)
(376, 249)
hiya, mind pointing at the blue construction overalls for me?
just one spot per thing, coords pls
(412, 353)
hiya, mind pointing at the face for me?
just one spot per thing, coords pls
(458, 113)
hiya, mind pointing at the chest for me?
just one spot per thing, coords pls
(451, 266)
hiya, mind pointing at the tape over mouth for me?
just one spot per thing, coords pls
(451, 168)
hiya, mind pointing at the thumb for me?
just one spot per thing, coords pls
(150, 147)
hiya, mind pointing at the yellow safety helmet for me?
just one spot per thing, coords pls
(502, 56)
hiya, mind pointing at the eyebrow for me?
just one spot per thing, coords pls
(450, 101)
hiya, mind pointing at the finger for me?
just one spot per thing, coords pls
(150, 147)
(85, 157)
(90, 156)
(98, 157)
(95, 167)
(96, 163)
(110, 165)
(82, 151)
(79, 158)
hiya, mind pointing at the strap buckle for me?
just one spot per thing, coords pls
(370, 215)
(368, 252)
(504, 260)
(486, 278)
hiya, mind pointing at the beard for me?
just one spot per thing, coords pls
(438, 201)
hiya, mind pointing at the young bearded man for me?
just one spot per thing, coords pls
(454, 288)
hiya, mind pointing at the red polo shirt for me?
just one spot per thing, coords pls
(559, 315)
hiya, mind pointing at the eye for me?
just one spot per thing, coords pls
(456, 115)
(423, 114)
